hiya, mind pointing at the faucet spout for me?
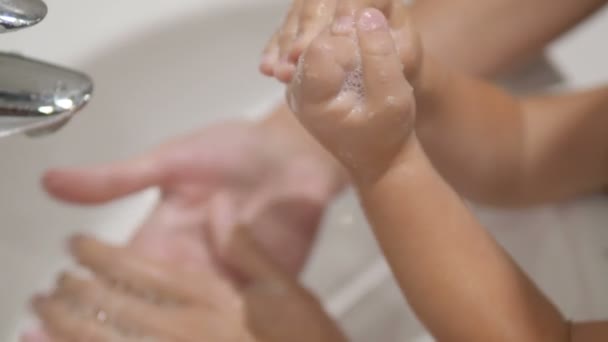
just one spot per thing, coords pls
(36, 98)
(18, 14)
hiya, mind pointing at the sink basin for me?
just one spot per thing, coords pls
(187, 63)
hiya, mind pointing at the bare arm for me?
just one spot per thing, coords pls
(590, 332)
(501, 150)
(510, 150)
(493, 147)
(487, 37)
(459, 281)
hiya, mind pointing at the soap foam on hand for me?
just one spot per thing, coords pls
(297, 79)
(345, 48)
(353, 82)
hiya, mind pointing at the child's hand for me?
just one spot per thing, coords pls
(350, 93)
(307, 18)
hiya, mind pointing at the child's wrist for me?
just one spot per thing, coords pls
(404, 164)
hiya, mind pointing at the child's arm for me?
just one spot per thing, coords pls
(490, 146)
(462, 285)
(459, 281)
(498, 149)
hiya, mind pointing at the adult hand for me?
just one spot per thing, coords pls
(132, 297)
(283, 187)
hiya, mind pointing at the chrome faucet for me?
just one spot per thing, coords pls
(36, 98)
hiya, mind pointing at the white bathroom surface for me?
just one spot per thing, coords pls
(163, 68)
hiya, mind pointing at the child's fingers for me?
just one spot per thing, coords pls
(382, 69)
(348, 8)
(314, 16)
(270, 56)
(283, 70)
(311, 11)
(289, 30)
(319, 76)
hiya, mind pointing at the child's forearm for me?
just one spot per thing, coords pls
(461, 284)
(498, 149)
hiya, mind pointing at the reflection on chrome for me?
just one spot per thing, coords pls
(35, 95)
(18, 14)
(36, 98)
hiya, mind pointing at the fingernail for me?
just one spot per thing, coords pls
(344, 24)
(371, 20)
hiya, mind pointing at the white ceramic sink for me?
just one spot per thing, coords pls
(162, 68)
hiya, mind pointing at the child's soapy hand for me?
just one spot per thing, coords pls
(350, 92)
(307, 18)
